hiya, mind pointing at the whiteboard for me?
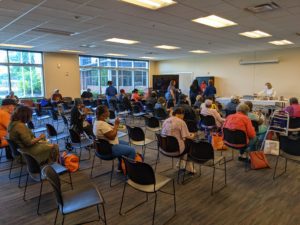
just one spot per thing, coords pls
(185, 81)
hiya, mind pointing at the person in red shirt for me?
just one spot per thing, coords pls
(294, 108)
(241, 121)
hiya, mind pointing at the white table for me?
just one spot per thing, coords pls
(256, 102)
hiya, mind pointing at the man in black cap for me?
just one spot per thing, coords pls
(7, 108)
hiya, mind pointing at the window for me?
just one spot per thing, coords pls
(124, 73)
(21, 72)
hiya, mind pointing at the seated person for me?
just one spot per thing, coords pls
(103, 130)
(23, 137)
(207, 110)
(294, 108)
(213, 106)
(7, 108)
(230, 108)
(135, 95)
(78, 116)
(161, 103)
(241, 121)
(257, 116)
(56, 97)
(198, 102)
(122, 95)
(87, 95)
(176, 127)
(152, 99)
(13, 97)
(189, 113)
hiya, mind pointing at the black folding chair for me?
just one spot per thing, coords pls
(72, 201)
(141, 177)
(80, 143)
(54, 136)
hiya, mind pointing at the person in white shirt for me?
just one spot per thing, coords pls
(209, 111)
(268, 91)
(103, 130)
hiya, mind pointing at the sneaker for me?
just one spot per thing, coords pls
(192, 171)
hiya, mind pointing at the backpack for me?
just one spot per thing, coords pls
(70, 161)
(138, 158)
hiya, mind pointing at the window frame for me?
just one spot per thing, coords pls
(8, 64)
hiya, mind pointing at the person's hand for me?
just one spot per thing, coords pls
(117, 121)
(42, 136)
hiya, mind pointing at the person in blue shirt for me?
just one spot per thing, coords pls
(111, 93)
(210, 90)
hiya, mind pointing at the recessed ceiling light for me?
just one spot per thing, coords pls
(122, 41)
(146, 57)
(71, 51)
(151, 4)
(88, 46)
(214, 21)
(115, 54)
(199, 51)
(255, 34)
(15, 45)
(281, 42)
(168, 47)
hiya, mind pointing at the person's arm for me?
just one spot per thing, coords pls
(218, 117)
(111, 135)
(27, 137)
(274, 93)
(250, 129)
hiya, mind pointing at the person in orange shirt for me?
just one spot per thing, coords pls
(7, 108)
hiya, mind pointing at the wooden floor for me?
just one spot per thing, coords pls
(249, 198)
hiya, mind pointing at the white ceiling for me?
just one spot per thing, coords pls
(97, 20)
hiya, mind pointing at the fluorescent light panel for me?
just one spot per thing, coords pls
(146, 57)
(15, 45)
(281, 42)
(255, 34)
(122, 41)
(115, 54)
(214, 21)
(199, 51)
(71, 51)
(151, 4)
(167, 47)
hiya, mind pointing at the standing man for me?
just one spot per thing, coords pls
(7, 108)
(111, 94)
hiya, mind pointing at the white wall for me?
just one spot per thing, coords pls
(62, 71)
(233, 78)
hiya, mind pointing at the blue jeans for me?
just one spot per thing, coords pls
(123, 149)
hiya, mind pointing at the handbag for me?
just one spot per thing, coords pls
(258, 160)
(217, 142)
(271, 147)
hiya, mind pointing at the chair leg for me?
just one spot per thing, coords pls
(120, 211)
(104, 214)
(21, 170)
(153, 217)
(112, 172)
(71, 182)
(213, 180)
(99, 218)
(274, 174)
(157, 157)
(174, 194)
(63, 220)
(91, 175)
(225, 171)
(24, 195)
(40, 196)
(56, 215)
(10, 169)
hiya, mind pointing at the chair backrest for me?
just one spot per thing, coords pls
(201, 151)
(112, 114)
(290, 145)
(294, 122)
(167, 143)
(149, 107)
(53, 179)
(234, 137)
(135, 133)
(139, 172)
(192, 125)
(152, 122)
(103, 147)
(30, 125)
(136, 108)
(51, 130)
(160, 113)
(53, 114)
(33, 166)
(208, 120)
(255, 125)
(74, 136)
(13, 147)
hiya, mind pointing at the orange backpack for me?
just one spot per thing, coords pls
(70, 161)
(138, 158)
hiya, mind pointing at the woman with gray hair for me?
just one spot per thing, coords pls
(240, 121)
